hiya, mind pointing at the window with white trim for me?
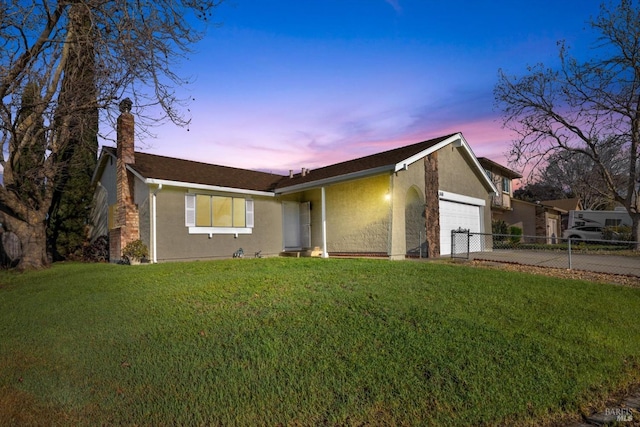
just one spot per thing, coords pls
(506, 184)
(218, 212)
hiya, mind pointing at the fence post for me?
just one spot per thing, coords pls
(569, 253)
(453, 244)
(469, 244)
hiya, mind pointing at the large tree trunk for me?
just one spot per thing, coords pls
(33, 239)
(432, 205)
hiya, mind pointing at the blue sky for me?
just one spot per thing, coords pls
(306, 83)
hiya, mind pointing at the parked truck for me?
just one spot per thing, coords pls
(618, 217)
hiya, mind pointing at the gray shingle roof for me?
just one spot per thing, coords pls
(386, 158)
(187, 171)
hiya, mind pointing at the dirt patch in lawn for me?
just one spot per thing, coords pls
(616, 279)
(19, 408)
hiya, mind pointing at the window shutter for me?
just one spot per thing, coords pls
(249, 213)
(190, 210)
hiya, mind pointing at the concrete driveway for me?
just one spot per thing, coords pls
(614, 264)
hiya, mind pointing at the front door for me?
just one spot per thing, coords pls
(297, 225)
(291, 225)
(552, 226)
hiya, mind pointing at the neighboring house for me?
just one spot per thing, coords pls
(547, 218)
(536, 219)
(544, 219)
(397, 203)
(502, 178)
(566, 206)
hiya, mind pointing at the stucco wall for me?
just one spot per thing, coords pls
(459, 175)
(175, 243)
(358, 216)
(405, 183)
(523, 215)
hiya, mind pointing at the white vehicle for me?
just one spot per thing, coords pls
(587, 232)
(615, 218)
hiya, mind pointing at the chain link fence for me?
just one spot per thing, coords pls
(604, 256)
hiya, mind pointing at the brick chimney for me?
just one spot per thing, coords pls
(125, 132)
(127, 221)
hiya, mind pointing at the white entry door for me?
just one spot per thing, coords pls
(291, 225)
(552, 227)
(297, 225)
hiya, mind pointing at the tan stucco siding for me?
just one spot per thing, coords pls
(523, 215)
(459, 175)
(405, 183)
(175, 243)
(358, 215)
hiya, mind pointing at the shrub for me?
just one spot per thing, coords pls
(498, 226)
(516, 234)
(135, 250)
(499, 229)
(622, 232)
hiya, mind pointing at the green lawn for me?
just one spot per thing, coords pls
(286, 341)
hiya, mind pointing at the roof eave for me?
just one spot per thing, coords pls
(335, 179)
(404, 164)
(104, 154)
(504, 171)
(206, 187)
(458, 141)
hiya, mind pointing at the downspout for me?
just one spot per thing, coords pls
(155, 227)
(323, 202)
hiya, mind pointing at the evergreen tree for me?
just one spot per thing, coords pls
(69, 212)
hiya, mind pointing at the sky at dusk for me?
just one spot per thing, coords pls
(306, 83)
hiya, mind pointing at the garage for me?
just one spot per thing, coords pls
(458, 211)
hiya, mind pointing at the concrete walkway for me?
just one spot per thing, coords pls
(612, 264)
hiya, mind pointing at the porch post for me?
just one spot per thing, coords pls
(323, 197)
(154, 230)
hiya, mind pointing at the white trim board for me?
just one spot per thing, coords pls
(460, 198)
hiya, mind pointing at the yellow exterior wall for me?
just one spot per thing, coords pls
(358, 216)
(402, 182)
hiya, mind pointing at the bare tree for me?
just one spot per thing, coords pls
(589, 109)
(135, 46)
(577, 175)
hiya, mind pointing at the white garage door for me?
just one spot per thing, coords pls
(455, 215)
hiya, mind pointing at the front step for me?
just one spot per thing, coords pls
(315, 252)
